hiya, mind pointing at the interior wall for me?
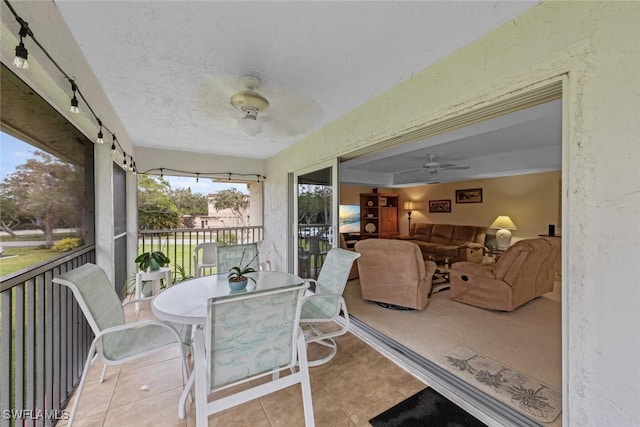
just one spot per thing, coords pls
(532, 202)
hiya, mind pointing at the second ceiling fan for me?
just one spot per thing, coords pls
(434, 166)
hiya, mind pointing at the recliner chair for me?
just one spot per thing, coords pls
(394, 272)
(525, 271)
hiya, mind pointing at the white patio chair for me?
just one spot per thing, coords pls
(247, 337)
(266, 254)
(115, 342)
(205, 255)
(324, 303)
(230, 256)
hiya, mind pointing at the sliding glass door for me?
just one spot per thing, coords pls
(315, 217)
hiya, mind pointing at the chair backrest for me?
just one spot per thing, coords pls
(530, 264)
(251, 334)
(388, 259)
(206, 253)
(333, 278)
(96, 296)
(230, 256)
(266, 254)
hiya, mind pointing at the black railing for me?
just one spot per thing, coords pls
(179, 244)
(44, 339)
(314, 242)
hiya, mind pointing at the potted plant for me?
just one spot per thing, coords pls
(237, 278)
(152, 260)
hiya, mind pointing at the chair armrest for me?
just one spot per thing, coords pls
(329, 312)
(474, 269)
(309, 283)
(136, 325)
(430, 267)
(314, 296)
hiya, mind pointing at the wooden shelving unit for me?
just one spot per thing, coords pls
(379, 215)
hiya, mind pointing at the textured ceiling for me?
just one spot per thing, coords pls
(169, 67)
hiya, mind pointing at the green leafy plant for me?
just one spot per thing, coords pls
(144, 260)
(237, 273)
(67, 244)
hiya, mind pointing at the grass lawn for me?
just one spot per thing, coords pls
(17, 258)
(35, 236)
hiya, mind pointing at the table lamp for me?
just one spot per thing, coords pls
(503, 223)
(409, 206)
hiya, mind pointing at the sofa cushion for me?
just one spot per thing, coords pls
(420, 238)
(464, 233)
(442, 233)
(426, 246)
(422, 229)
(468, 240)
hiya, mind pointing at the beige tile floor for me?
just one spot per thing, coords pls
(358, 384)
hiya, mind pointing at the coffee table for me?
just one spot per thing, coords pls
(440, 280)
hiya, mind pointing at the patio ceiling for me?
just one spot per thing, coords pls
(169, 68)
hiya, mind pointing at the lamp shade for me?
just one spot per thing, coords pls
(503, 222)
(409, 206)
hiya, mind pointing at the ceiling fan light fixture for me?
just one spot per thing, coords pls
(249, 124)
(250, 103)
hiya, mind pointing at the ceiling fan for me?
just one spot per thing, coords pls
(256, 105)
(250, 103)
(434, 166)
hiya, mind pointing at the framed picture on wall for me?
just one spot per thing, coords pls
(438, 206)
(472, 195)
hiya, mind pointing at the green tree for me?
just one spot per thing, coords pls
(10, 215)
(233, 200)
(314, 204)
(189, 203)
(44, 192)
(156, 209)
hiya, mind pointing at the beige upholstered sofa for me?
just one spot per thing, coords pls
(394, 272)
(440, 241)
(525, 271)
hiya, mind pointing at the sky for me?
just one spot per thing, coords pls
(14, 152)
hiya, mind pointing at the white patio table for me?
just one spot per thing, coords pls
(186, 302)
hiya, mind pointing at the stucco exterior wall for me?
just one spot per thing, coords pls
(597, 45)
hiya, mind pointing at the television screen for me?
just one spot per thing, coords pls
(349, 218)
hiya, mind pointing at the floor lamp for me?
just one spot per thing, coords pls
(409, 206)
